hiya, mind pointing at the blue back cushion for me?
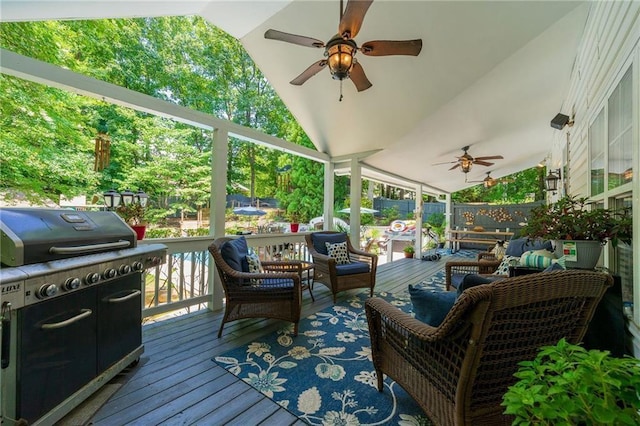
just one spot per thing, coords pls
(319, 239)
(431, 306)
(472, 280)
(518, 246)
(234, 252)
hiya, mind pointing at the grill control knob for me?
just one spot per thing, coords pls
(124, 269)
(47, 290)
(138, 266)
(92, 278)
(109, 273)
(71, 283)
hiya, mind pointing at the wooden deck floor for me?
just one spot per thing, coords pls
(176, 383)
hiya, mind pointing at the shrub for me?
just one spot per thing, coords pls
(566, 384)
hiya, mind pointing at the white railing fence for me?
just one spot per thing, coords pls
(184, 281)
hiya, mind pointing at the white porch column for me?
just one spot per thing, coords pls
(356, 202)
(218, 204)
(448, 208)
(418, 217)
(329, 185)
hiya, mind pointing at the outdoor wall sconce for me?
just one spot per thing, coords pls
(561, 120)
(113, 198)
(551, 181)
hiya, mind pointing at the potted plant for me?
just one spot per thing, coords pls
(566, 384)
(409, 251)
(294, 219)
(134, 214)
(579, 232)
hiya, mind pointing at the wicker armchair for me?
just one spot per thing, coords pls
(485, 264)
(361, 273)
(459, 371)
(276, 293)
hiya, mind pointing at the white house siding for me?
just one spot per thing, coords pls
(610, 45)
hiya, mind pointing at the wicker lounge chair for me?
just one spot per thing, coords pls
(276, 293)
(360, 273)
(485, 264)
(459, 371)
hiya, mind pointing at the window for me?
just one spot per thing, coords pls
(620, 166)
(611, 169)
(597, 143)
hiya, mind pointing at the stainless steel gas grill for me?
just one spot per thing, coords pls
(71, 292)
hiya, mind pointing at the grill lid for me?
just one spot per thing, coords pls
(32, 235)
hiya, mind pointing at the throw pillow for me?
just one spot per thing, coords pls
(255, 267)
(339, 252)
(431, 306)
(537, 258)
(520, 245)
(503, 268)
(499, 250)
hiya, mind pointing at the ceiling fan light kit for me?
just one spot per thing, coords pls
(340, 53)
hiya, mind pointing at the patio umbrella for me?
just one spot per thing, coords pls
(249, 211)
(363, 210)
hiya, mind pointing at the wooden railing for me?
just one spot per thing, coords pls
(185, 280)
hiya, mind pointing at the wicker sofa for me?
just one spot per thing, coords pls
(457, 372)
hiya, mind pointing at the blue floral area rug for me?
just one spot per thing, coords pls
(325, 375)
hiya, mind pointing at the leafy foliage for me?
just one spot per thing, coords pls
(520, 187)
(566, 384)
(570, 219)
(47, 134)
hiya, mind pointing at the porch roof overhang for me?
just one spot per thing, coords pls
(491, 75)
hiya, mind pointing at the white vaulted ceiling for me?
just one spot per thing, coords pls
(491, 75)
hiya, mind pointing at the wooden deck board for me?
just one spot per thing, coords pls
(177, 383)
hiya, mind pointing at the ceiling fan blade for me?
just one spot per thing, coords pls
(352, 18)
(491, 157)
(293, 38)
(392, 47)
(455, 167)
(482, 163)
(314, 69)
(359, 78)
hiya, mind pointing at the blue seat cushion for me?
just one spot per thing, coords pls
(271, 283)
(319, 239)
(518, 246)
(234, 252)
(352, 268)
(431, 306)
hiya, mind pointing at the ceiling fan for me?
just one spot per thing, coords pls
(341, 49)
(489, 181)
(465, 161)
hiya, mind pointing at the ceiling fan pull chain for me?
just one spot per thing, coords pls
(340, 100)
